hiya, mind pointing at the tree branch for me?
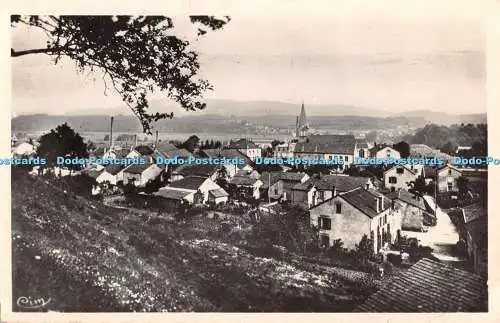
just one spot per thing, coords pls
(14, 53)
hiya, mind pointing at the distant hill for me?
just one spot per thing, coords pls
(442, 118)
(225, 116)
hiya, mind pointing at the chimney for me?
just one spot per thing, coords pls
(334, 191)
(381, 203)
(111, 134)
(377, 204)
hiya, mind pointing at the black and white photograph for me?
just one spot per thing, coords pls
(324, 162)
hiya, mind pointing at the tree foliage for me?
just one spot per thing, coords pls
(137, 55)
(61, 142)
(403, 148)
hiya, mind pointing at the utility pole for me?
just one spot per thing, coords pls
(269, 188)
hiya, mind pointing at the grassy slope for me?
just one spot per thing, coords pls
(87, 264)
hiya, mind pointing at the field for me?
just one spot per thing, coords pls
(87, 256)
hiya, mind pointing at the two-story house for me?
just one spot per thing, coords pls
(247, 148)
(352, 215)
(399, 177)
(447, 178)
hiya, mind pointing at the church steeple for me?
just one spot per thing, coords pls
(301, 125)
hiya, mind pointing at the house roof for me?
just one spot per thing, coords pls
(404, 166)
(137, 168)
(245, 181)
(332, 144)
(421, 150)
(430, 286)
(408, 198)
(341, 183)
(218, 193)
(197, 170)
(114, 169)
(144, 150)
(306, 186)
(243, 144)
(280, 176)
(179, 152)
(365, 201)
(189, 183)
(165, 146)
(473, 212)
(94, 173)
(172, 194)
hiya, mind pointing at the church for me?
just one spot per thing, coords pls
(306, 145)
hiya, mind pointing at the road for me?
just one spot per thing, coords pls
(442, 238)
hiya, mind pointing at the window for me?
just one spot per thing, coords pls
(346, 158)
(450, 186)
(324, 223)
(321, 195)
(392, 180)
(338, 208)
(400, 170)
(449, 172)
(385, 218)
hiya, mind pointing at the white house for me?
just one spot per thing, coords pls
(194, 189)
(246, 186)
(399, 177)
(384, 152)
(140, 174)
(448, 178)
(247, 148)
(24, 149)
(112, 174)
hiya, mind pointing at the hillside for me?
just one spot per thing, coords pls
(87, 256)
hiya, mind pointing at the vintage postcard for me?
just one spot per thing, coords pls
(281, 157)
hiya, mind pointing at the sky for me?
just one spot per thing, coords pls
(396, 59)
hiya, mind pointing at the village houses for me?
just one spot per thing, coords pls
(279, 185)
(194, 190)
(352, 215)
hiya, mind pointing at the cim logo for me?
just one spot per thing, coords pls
(32, 303)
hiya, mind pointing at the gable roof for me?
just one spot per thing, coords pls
(144, 150)
(332, 144)
(430, 286)
(421, 150)
(219, 192)
(172, 194)
(137, 168)
(245, 181)
(473, 212)
(188, 183)
(365, 201)
(243, 144)
(408, 198)
(197, 170)
(114, 169)
(165, 146)
(414, 172)
(92, 172)
(305, 186)
(362, 144)
(341, 183)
